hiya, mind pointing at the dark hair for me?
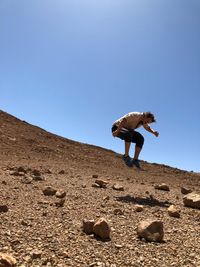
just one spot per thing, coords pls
(150, 115)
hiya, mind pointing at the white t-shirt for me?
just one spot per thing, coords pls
(132, 120)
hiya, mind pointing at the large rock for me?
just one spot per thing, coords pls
(102, 229)
(151, 230)
(192, 200)
(7, 260)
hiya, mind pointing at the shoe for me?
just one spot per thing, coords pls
(136, 163)
(127, 161)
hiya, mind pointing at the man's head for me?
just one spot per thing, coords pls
(149, 117)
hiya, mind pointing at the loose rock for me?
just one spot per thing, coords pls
(7, 260)
(162, 186)
(60, 193)
(37, 178)
(106, 198)
(36, 173)
(49, 191)
(139, 208)
(151, 230)
(174, 212)
(27, 180)
(36, 254)
(192, 200)
(185, 190)
(3, 208)
(60, 202)
(16, 173)
(21, 169)
(118, 212)
(101, 183)
(96, 185)
(88, 226)
(118, 187)
(102, 229)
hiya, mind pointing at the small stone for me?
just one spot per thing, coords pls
(24, 223)
(66, 254)
(37, 178)
(60, 193)
(139, 208)
(102, 229)
(27, 180)
(118, 187)
(16, 173)
(48, 171)
(96, 185)
(118, 246)
(49, 191)
(173, 212)
(95, 176)
(151, 230)
(36, 254)
(162, 186)
(118, 212)
(36, 173)
(3, 208)
(101, 183)
(21, 169)
(7, 260)
(27, 258)
(88, 226)
(106, 198)
(60, 202)
(61, 172)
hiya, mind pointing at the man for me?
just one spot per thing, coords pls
(124, 128)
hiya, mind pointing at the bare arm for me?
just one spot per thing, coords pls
(149, 129)
(121, 125)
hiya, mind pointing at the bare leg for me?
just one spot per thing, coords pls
(137, 152)
(127, 148)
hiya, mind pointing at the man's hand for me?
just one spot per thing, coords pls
(156, 133)
(115, 133)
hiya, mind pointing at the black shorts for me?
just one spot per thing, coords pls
(130, 136)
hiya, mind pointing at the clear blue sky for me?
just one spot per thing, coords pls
(72, 67)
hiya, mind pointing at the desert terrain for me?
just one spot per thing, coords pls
(46, 229)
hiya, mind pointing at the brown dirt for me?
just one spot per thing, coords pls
(38, 232)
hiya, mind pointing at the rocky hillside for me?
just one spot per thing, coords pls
(64, 203)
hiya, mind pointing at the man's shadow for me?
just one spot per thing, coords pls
(149, 201)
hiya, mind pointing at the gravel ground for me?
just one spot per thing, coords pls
(38, 230)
